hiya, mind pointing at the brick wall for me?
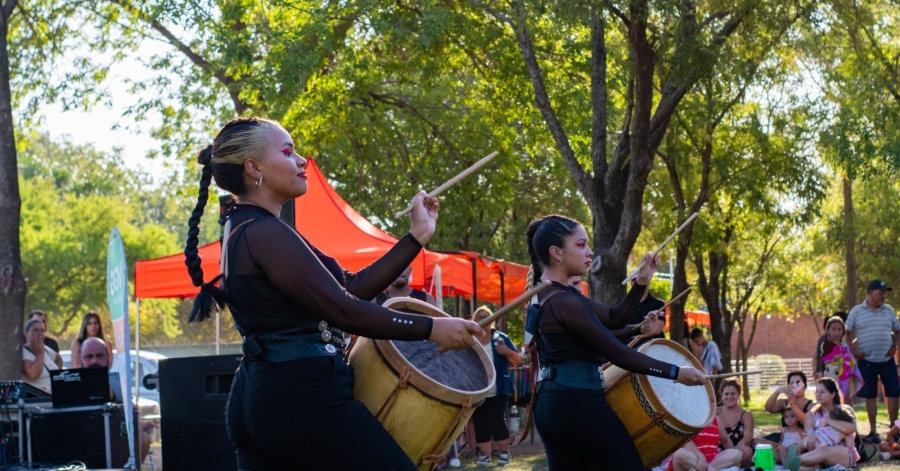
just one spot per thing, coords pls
(788, 338)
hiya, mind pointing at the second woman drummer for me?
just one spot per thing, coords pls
(291, 404)
(577, 426)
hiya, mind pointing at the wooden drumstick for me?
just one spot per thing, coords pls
(511, 306)
(676, 298)
(514, 304)
(739, 373)
(661, 246)
(453, 181)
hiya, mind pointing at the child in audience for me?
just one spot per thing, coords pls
(890, 449)
(791, 434)
(828, 435)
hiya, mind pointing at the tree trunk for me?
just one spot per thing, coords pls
(849, 243)
(12, 282)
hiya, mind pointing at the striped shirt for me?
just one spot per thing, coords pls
(873, 330)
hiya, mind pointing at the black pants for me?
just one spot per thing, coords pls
(581, 432)
(301, 414)
(490, 420)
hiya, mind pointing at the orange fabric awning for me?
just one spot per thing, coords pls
(691, 317)
(335, 228)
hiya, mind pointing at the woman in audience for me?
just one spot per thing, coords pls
(828, 396)
(37, 359)
(710, 450)
(90, 327)
(796, 401)
(737, 422)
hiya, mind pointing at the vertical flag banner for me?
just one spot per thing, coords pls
(117, 300)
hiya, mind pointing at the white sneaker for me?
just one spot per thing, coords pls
(485, 460)
(504, 459)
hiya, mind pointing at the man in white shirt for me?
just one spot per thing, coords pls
(872, 334)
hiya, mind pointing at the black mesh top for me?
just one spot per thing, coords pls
(275, 275)
(572, 327)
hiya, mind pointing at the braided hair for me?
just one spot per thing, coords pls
(237, 141)
(548, 231)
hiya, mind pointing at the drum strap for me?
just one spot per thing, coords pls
(535, 365)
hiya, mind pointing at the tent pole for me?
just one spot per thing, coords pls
(217, 332)
(137, 349)
(474, 297)
(502, 323)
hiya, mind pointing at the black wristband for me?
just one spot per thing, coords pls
(673, 373)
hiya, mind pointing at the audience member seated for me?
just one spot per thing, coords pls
(889, 449)
(702, 452)
(48, 341)
(791, 435)
(37, 359)
(90, 328)
(94, 355)
(838, 362)
(796, 401)
(820, 424)
(740, 421)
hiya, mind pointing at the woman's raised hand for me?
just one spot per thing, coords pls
(690, 376)
(452, 333)
(648, 265)
(423, 218)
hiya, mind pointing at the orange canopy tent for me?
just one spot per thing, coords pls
(334, 227)
(692, 318)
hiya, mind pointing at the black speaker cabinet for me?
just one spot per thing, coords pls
(60, 436)
(192, 395)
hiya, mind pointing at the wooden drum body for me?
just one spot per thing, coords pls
(659, 414)
(424, 416)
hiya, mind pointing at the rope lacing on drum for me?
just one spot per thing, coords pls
(437, 454)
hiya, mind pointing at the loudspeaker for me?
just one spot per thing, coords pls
(192, 395)
(60, 436)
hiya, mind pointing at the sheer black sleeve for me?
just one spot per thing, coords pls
(292, 266)
(616, 317)
(375, 278)
(569, 311)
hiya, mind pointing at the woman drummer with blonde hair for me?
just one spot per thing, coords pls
(577, 426)
(291, 402)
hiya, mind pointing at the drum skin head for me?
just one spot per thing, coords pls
(693, 406)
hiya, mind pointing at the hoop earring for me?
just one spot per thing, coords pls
(559, 261)
(259, 182)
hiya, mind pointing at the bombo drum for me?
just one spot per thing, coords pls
(422, 398)
(660, 414)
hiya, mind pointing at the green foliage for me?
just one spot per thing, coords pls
(72, 196)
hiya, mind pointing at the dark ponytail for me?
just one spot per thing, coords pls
(210, 296)
(548, 231)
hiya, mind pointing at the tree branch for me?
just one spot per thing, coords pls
(618, 13)
(239, 105)
(8, 8)
(542, 102)
(496, 14)
(598, 92)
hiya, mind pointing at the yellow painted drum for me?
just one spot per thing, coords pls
(423, 415)
(660, 415)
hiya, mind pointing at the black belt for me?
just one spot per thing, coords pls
(285, 342)
(572, 374)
